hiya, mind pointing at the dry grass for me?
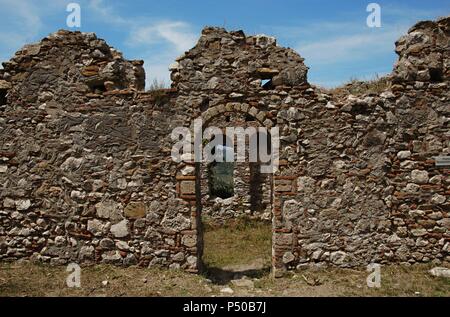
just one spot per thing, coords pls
(157, 85)
(159, 92)
(357, 87)
(395, 281)
(39, 280)
(237, 243)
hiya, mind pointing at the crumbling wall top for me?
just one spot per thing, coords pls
(66, 64)
(424, 53)
(232, 61)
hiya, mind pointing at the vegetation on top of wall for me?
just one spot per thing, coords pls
(157, 84)
(361, 87)
(159, 90)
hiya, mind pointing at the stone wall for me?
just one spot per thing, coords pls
(368, 188)
(87, 175)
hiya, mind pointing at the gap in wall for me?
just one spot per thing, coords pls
(236, 213)
(3, 93)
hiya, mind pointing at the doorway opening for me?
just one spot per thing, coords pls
(3, 93)
(234, 205)
(436, 75)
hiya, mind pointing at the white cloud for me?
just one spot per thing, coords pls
(107, 13)
(177, 33)
(18, 27)
(11, 39)
(161, 41)
(327, 42)
(350, 47)
(156, 71)
(24, 11)
(22, 21)
(334, 49)
(350, 52)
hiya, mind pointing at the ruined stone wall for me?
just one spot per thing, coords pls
(65, 68)
(87, 175)
(346, 194)
(368, 189)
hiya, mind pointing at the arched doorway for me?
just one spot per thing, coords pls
(234, 206)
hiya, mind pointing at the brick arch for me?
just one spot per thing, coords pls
(282, 189)
(259, 115)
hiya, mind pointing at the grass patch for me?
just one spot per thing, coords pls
(357, 87)
(28, 279)
(238, 242)
(43, 280)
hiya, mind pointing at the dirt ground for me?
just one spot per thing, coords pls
(40, 280)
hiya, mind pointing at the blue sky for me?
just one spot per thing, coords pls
(332, 36)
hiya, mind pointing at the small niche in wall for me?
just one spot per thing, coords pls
(98, 88)
(204, 105)
(266, 75)
(435, 75)
(3, 93)
(249, 118)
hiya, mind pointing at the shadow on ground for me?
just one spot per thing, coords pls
(223, 275)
